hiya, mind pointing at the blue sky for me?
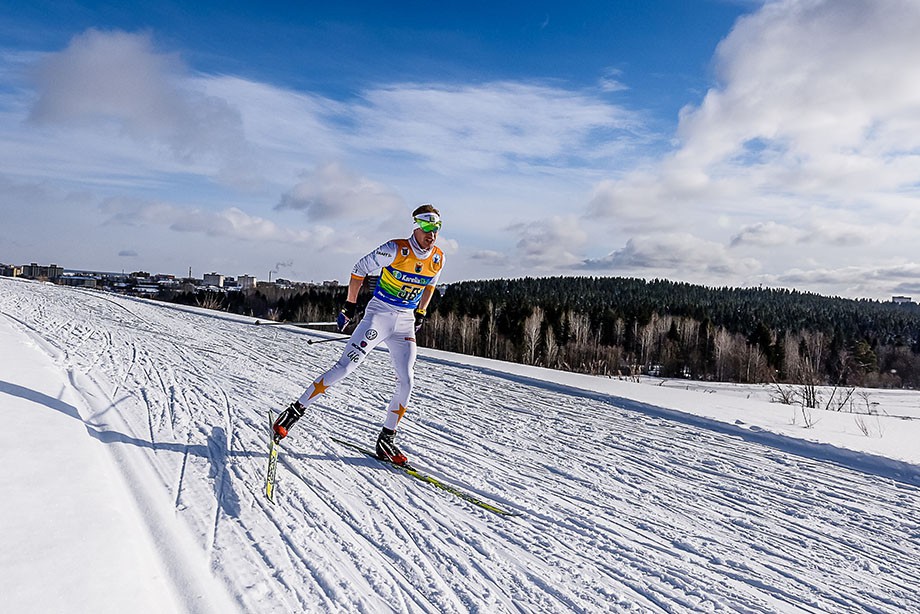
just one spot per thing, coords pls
(717, 142)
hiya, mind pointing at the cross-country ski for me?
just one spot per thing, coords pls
(274, 448)
(428, 479)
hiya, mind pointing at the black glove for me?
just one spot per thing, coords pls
(345, 316)
(420, 316)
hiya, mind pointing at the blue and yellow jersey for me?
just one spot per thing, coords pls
(404, 275)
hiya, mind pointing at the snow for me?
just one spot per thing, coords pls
(134, 447)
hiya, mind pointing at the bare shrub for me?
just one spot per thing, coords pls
(783, 394)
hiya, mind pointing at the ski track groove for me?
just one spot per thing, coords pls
(755, 529)
(296, 556)
(367, 542)
(181, 477)
(223, 462)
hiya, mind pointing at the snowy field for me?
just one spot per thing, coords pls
(133, 452)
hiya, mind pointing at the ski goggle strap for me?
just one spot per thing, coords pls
(428, 222)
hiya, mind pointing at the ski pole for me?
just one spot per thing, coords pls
(347, 325)
(260, 323)
(312, 341)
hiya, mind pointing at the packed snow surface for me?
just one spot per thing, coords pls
(134, 448)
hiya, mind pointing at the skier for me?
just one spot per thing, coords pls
(408, 269)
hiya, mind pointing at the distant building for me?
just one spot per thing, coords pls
(146, 289)
(246, 282)
(51, 272)
(213, 279)
(80, 281)
(900, 300)
(169, 283)
(10, 270)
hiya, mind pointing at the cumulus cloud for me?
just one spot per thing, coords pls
(118, 80)
(331, 192)
(852, 274)
(679, 252)
(822, 95)
(817, 99)
(859, 280)
(447, 245)
(638, 204)
(909, 288)
(232, 222)
(490, 257)
(128, 211)
(767, 234)
(109, 75)
(842, 234)
(816, 109)
(827, 232)
(551, 243)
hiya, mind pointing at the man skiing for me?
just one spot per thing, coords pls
(408, 269)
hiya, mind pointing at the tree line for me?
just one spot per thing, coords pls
(627, 326)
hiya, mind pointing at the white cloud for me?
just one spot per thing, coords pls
(897, 278)
(491, 258)
(767, 234)
(290, 130)
(822, 231)
(550, 244)
(495, 126)
(809, 141)
(677, 252)
(116, 82)
(610, 81)
(232, 222)
(637, 204)
(331, 193)
(825, 91)
(810, 138)
(844, 234)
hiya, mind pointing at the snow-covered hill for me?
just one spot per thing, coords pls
(133, 452)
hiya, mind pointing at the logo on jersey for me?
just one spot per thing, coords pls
(404, 251)
(418, 267)
(370, 335)
(408, 278)
(436, 259)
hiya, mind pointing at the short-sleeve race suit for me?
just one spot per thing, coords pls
(404, 273)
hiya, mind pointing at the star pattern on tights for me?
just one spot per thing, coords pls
(400, 412)
(318, 388)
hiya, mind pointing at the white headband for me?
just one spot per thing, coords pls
(428, 216)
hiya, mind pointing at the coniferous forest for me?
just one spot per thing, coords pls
(625, 326)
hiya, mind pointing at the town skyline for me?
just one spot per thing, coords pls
(252, 281)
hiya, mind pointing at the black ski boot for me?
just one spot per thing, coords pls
(286, 420)
(387, 450)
